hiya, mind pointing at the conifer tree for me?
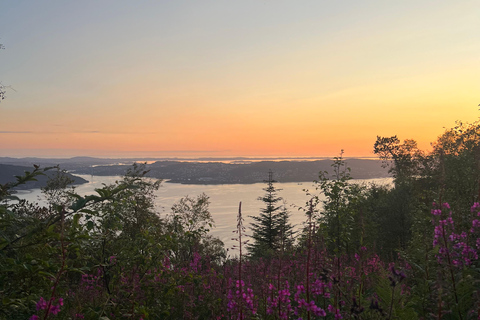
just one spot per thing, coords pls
(286, 229)
(270, 230)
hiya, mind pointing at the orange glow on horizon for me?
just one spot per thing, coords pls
(281, 81)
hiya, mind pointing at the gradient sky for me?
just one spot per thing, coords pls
(236, 78)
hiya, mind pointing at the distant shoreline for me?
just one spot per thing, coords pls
(213, 173)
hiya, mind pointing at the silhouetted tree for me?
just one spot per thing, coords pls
(408, 160)
(271, 229)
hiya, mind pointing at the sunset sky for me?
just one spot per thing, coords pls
(233, 78)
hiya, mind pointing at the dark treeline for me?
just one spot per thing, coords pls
(409, 251)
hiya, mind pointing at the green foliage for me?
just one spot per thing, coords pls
(392, 298)
(457, 166)
(97, 252)
(188, 225)
(41, 244)
(55, 190)
(406, 157)
(450, 173)
(271, 230)
(339, 216)
(394, 212)
(192, 215)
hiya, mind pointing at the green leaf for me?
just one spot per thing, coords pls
(46, 274)
(91, 212)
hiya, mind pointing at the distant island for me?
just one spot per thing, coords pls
(8, 173)
(231, 173)
(211, 171)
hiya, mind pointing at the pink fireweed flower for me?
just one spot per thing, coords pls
(302, 303)
(319, 312)
(459, 245)
(438, 231)
(41, 304)
(301, 289)
(445, 222)
(55, 309)
(284, 293)
(318, 287)
(475, 207)
(476, 223)
(335, 311)
(231, 303)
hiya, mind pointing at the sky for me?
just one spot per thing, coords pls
(115, 78)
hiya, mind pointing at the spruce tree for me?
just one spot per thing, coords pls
(286, 239)
(270, 230)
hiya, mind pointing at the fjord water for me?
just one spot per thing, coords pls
(224, 199)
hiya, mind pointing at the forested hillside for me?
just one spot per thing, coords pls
(225, 173)
(8, 173)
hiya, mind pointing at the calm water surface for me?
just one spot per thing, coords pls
(224, 199)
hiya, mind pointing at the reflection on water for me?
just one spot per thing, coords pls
(224, 199)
